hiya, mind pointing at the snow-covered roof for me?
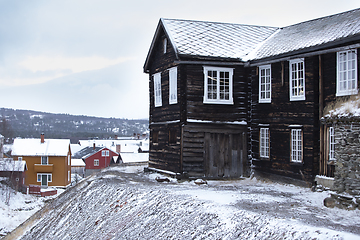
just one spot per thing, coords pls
(310, 34)
(213, 39)
(9, 164)
(34, 147)
(134, 157)
(349, 108)
(240, 42)
(75, 162)
(126, 145)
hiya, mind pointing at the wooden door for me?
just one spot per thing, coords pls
(224, 155)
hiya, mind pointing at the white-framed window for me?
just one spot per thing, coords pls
(165, 45)
(218, 85)
(346, 81)
(105, 153)
(264, 143)
(44, 160)
(331, 143)
(265, 84)
(20, 158)
(296, 145)
(173, 85)
(297, 79)
(157, 90)
(96, 162)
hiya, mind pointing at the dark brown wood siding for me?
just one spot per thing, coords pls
(215, 150)
(282, 113)
(197, 109)
(161, 63)
(165, 154)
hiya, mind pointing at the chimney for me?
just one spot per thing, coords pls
(94, 146)
(42, 138)
(116, 137)
(118, 148)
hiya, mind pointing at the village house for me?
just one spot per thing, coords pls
(48, 160)
(227, 97)
(14, 171)
(96, 158)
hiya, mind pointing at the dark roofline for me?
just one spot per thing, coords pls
(160, 25)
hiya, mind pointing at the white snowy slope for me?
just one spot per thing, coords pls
(125, 203)
(19, 208)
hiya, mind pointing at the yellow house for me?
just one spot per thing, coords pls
(48, 160)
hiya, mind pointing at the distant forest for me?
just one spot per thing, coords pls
(30, 124)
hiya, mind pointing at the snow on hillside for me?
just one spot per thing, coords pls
(21, 207)
(126, 203)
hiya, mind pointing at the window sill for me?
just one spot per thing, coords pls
(346, 93)
(219, 102)
(296, 163)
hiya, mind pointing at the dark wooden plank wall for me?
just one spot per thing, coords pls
(194, 159)
(281, 113)
(161, 62)
(163, 154)
(196, 109)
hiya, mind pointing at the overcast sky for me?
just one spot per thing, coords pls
(85, 57)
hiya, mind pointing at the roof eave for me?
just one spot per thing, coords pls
(160, 25)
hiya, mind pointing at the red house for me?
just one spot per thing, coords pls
(96, 158)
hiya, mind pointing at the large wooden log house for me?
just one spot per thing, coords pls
(223, 96)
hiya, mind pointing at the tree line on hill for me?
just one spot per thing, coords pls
(30, 124)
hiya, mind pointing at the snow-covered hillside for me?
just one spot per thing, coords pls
(126, 203)
(19, 208)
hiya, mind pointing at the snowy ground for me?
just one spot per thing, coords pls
(20, 207)
(126, 203)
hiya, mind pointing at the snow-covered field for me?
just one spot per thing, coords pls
(126, 203)
(20, 207)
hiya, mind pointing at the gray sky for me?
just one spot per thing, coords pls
(85, 57)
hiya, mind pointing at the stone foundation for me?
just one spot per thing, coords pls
(347, 154)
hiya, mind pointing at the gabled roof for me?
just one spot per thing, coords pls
(34, 147)
(239, 42)
(86, 151)
(9, 165)
(210, 39)
(89, 151)
(322, 31)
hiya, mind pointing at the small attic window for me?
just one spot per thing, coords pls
(164, 44)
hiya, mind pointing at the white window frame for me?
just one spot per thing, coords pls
(173, 85)
(69, 161)
(165, 45)
(157, 90)
(331, 143)
(346, 72)
(264, 143)
(296, 147)
(296, 77)
(105, 153)
(96, 162)
(265, 84)
(69, 176)
(217, 85)
(47, 160)
(39, 177)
